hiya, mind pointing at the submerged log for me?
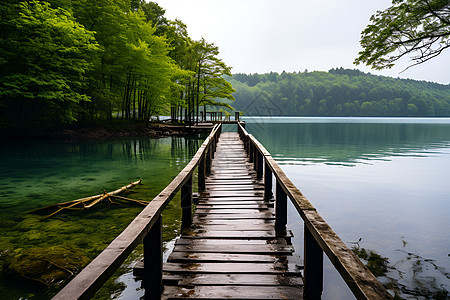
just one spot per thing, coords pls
(88, 202)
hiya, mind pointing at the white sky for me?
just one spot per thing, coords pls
(259, 36)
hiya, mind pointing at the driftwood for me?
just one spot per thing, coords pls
(88, 202)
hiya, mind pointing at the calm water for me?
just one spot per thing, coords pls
(38, 174)
(385, 181)
(382, 180)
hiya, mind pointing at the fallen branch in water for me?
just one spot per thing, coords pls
(88, 202)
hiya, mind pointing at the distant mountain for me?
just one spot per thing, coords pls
(338, 92)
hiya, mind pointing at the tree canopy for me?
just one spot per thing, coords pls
(419, 29)
(66, 61)
(338, 92)
(45, 55)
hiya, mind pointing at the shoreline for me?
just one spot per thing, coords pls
(107, 131)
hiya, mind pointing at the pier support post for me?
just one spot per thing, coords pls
(259, 165)
(280, 208)
(313, 262)
(153, 261)
(186, 203)
(208, 160)
(267, 182)
(212, 146)
(201, 174)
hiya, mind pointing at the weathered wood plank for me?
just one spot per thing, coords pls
(232, 193)
(237, 188)
(266, 216)
(224, 257)
(235, 234)
(239, 292)
(234, 227)
(232, 240)
(224, 268)
(238, 242)
(230, 181)
(241, 279)
(232, 267)
(237, 198)
(243, 222)
(248, 249)
(233, 211)
(232, 205)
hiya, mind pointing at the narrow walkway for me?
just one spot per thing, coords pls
(232, 249)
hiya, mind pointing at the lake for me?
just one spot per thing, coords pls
(381, 180)
(37, 174)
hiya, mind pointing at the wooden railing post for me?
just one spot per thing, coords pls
(267, 182)
(313, 263)
(153, 260)
(212, 146)
(201, 173)
(255, 156)
(260, 166)
(186, 203)
(280, 208)
(250, 152)
(208, 159)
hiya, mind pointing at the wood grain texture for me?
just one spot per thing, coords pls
(232, 249)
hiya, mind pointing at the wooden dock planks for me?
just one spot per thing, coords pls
(232, 249)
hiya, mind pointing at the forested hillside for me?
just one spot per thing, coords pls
(339, 92)
(66, 61)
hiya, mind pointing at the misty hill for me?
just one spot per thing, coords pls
(338, 92)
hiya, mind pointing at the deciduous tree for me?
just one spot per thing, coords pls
(45, 54)
(419, 29)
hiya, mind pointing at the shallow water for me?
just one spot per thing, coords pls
(384, 180)
(37, 174)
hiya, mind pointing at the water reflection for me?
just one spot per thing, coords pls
(37, 174)
(385, 181)
(348, 144)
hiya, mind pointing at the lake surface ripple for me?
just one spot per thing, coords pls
(384, 180)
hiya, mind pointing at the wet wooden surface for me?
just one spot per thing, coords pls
(232, 249)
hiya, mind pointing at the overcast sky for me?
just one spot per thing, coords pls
(259, 36)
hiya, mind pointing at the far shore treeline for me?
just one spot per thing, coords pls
(76, 61)
(79, 62)
(338, 92)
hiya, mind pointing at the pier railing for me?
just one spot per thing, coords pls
(146, 228)
(318, 235)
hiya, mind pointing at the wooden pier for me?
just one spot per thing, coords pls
(232, 249)
(236, 245)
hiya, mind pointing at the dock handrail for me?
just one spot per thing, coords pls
(146, 228)
(318, 235)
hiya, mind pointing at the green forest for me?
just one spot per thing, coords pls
(79, 61)
(338, 92)
(65, 62)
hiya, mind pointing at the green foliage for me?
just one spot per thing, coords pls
(82, 60)
(338, 92)
(416, 28)
(45, 57)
